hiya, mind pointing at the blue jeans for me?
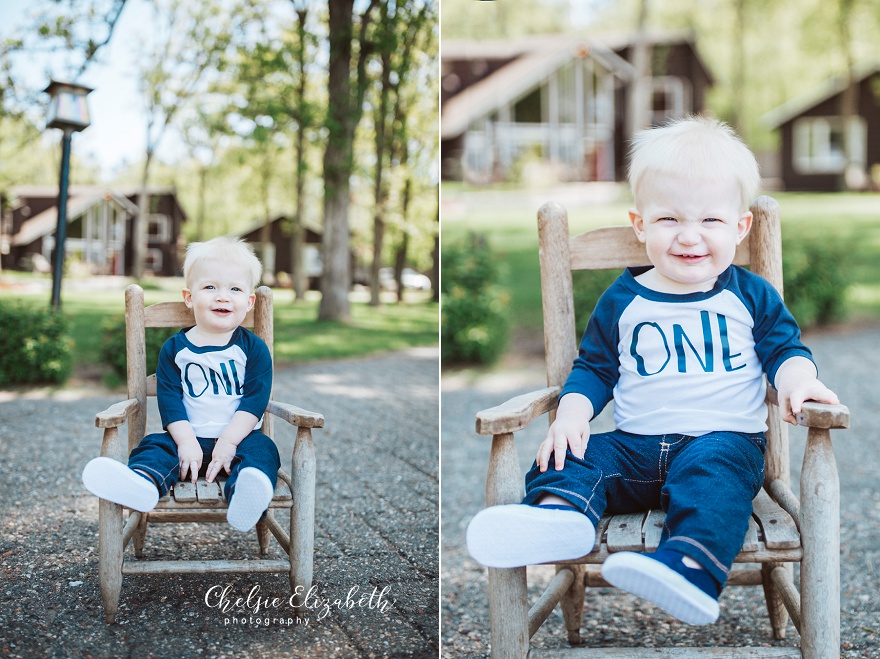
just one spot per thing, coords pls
(705, 484)
(157, 456)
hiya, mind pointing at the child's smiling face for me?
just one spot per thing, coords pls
(220, 296)
(690, 230)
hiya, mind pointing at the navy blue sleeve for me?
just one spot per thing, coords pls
(597, 366)
(257, 376)
(776, 332)
(169, 387)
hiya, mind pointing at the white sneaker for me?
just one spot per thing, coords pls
(250, 499)
(111, 480)
(518, 535)
(656, 582)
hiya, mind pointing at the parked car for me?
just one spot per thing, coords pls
(409, 277)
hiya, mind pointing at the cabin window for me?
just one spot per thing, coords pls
(528, 109)
(159, 228)
(820, 144)
(669, 99)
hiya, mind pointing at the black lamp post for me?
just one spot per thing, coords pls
(68, 111)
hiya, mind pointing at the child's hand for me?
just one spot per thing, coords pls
(796, 382)
(190, 456)
(791, 401)
(570, 429)
(221, 458)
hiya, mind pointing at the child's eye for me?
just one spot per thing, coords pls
(209, 287)
(711, 219)
(236, 289)
(668, 219)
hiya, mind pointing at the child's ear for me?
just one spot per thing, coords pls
(252, 299)
(187, 297)
(638, 224)
(743, 226)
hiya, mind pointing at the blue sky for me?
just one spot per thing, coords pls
(116, 134)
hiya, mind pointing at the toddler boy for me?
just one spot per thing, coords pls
(213, 383)
(682, 347)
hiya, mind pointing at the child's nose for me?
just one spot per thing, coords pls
(688, 235)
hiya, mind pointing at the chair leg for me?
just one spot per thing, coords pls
(775, 606)
(508, 591)
(110, 556)
(140, 536)
(508, 613)
(820, 534)
(263, 535)
(302, 515)
(573, 603)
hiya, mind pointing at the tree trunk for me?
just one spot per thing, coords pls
(299, 281)
(639, 90)
(400, 262)
(298, 233)
(139, 231)
(336, 274)
(379, 191)
(739, 70)
(267, 247)
(403, 247)
(853, 176)
(200, 218)
(435, 257)
(342, 119)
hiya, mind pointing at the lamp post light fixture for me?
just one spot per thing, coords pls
(69, 111)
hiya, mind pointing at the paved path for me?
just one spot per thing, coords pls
(849, 363)
(377, 501)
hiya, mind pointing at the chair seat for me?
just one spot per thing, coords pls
(772, 535)
(203, 495)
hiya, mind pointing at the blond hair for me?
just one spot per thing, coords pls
(694, 148)
(228, 250)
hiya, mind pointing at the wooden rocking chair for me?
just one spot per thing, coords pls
(783, 530)
(202, 501)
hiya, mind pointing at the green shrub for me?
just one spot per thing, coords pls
(113, 345)
(815, 277)
(35, 346)
(474, 323)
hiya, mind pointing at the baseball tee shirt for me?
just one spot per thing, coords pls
(207, 385)
(686, 364)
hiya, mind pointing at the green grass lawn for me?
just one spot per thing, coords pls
(299, 337)
(509, 223)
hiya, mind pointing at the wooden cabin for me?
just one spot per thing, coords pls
(822, 151)
(559, 98)
(99, 229)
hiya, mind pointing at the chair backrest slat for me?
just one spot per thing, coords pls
(177, 314)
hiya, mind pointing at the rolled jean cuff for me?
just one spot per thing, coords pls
(696, 551)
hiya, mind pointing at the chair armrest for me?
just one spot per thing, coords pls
(816, 415)
(295, 416)
(517, 412)
(115, 415)
(822, 415)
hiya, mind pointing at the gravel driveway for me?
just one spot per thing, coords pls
(376, 530)
(848, 363)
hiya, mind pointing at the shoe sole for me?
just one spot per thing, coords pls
(252, 496)
(111, 480)
(518, 535)
(662, 586)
